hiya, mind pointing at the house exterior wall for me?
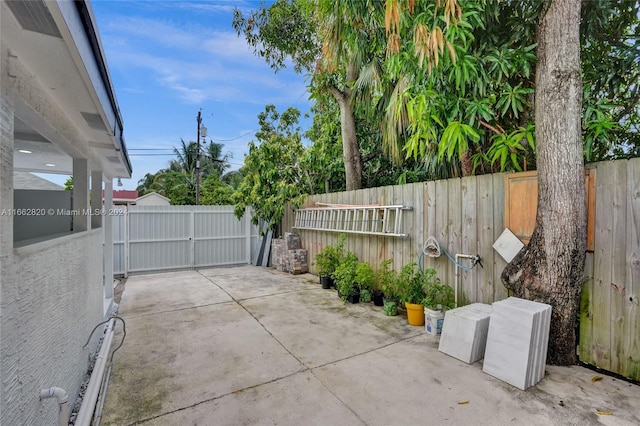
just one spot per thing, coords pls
(51, 298)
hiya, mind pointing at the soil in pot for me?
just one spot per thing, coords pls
(378, 297)
(390, 307)
(326, 281)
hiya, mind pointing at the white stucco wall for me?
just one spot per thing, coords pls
(51, 298)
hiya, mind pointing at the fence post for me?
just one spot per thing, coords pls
(192, 236)
(126, 241)
(247, 217)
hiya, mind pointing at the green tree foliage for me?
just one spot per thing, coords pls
(486, 51)
(610, 72)
(333, 43)
(214, 192)
(444, 88)
(178, 183)
(272, 175)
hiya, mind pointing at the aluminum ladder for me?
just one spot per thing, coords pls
(369, 220)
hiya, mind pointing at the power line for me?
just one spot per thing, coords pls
(236, 138)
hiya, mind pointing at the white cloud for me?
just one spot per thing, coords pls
(197, 64)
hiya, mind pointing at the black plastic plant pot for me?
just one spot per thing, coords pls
(326, 281)
(354, 298)
(378, 298)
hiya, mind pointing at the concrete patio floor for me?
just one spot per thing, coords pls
(250, 345)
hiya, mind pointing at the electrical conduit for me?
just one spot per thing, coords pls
(87, 408)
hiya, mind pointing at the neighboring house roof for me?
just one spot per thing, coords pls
(26, 180)
(123, 196)
(156, 196)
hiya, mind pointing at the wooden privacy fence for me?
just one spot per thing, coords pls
(467, 215)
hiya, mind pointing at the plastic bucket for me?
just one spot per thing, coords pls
(433, 321)
(415, 314)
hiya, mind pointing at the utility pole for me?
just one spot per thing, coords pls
(199, 120)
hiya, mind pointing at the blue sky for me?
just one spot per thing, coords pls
(169, 59)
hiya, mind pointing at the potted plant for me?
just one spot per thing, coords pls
(411, 285)
(438, 298)
(327, 261)
(388, 279)
(325, 266)
(383, 276)
(345, 278)
(365, 278)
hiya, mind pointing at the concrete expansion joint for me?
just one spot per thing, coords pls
(239, 303)
(337, 397)
(204, 401)
(377, 348)
(226, 302)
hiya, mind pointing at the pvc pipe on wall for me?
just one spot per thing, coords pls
(458, 257)
(63, 403)
(93, 389)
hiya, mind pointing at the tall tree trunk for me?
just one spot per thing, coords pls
(350, 147)
(466, 163)
(550, 268)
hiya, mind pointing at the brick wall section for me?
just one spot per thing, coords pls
(51, 298)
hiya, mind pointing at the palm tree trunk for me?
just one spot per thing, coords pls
(350, 147)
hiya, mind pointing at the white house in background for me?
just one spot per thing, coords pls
(152, 199)
(58, 114)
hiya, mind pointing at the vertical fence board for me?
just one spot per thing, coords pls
(469, 236)
(455, 231)
(601, 337)
(586, 308)
(618, 267)
(631, 330)
(418, 235)
(499, 290)
(430, 218)
(484, 185)
(442, 230)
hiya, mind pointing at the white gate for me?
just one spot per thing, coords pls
(156, 238)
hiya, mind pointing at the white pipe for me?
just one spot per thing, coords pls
(102, 398)
(93, 389)
(459, 256)
(63, 403)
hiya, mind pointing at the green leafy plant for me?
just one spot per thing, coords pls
(328, 259)
(387, 279)
(366, 280)
(438, 296)
(410, 284)
(345, 275)
(365, 277)
(324, 263)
